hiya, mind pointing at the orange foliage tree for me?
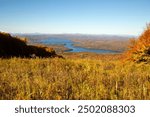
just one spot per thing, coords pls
(140, 48)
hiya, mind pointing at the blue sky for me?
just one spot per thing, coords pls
(74, 16)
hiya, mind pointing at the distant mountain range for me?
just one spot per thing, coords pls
(73, 36)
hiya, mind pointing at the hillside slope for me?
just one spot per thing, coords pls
(17, 47)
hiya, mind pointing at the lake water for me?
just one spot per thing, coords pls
(70, 45)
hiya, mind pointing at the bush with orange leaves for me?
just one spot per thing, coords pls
(140, 48)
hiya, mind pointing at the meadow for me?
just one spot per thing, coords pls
(72, 78)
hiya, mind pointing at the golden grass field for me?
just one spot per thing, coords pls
(55, 78)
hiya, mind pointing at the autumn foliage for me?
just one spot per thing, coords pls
(140, 48)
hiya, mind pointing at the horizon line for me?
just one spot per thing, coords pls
(37, 33)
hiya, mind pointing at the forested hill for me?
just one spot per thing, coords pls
(16, 47)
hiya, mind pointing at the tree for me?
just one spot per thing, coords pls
(140, 48)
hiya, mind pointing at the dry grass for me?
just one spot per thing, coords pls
(90, 55)
(73, 79)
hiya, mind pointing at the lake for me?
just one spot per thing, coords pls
(70, 45)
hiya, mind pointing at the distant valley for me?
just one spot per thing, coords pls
(81, 42)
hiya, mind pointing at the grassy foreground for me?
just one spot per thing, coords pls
(73, 79)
